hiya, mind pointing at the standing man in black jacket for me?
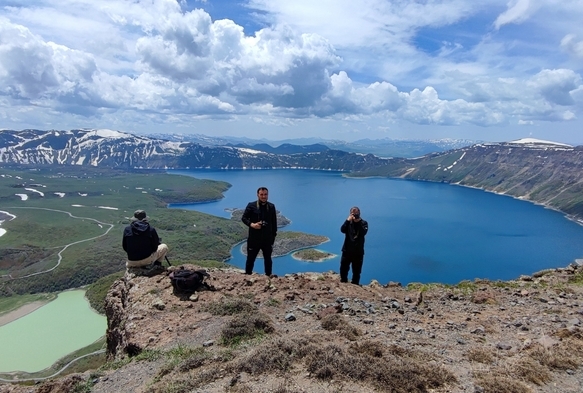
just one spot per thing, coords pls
(142, 243)
(354, 229)
(261, 218)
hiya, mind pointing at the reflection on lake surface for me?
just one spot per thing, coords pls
(419, 231)
(37, 340)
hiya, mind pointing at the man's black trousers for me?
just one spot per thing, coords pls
(356, 261)
(252, 252)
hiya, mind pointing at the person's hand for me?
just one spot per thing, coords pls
(350, 218)
(256, 225)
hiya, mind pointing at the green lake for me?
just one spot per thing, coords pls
(37, 340)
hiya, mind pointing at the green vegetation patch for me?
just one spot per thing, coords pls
(64, 228)
(312, 255)
(47, 228)
(97, 292)
(11, 303)
(90, 357)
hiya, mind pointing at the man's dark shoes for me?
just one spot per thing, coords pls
(150, 270)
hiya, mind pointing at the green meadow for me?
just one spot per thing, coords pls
(71, 235)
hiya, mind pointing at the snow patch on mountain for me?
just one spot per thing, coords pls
(249, 151)
(533, 141)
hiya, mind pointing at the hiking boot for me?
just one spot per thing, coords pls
(150, 270)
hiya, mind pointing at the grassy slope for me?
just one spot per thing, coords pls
(34, 239)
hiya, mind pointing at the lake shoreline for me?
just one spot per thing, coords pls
(568, 216)
(22, 311)
(403, 247)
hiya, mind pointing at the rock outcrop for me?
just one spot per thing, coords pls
(477, 336)
(311, 333)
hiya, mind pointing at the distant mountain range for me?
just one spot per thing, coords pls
(539, 171)
(121, 150)
(380, 147)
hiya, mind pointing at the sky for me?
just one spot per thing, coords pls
(490, 70)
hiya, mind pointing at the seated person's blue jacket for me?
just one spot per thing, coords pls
(140, 240)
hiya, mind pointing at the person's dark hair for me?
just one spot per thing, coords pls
(140, 215)
(262, 189)
(355, 208)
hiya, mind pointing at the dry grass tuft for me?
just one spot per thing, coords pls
(339, 323)
(246, 326)
(486, 297)
(265, 360)
(186, 384)
(282, 388)
(480, 355)
(530, 370)
(274, 355)
(388, 373)
(368, 362)
(561, 357)
(239, 388)
(574, 333)
(196, 360)
(499, 384)
(411, 354)
(230, 307)
(368, 348)
(180, 386)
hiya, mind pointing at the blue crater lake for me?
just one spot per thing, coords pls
(418, 231)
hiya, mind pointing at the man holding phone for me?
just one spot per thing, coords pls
(354, 229)
(261, 218)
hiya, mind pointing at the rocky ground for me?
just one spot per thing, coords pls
(311, 333)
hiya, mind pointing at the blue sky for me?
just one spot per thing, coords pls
(335, 69)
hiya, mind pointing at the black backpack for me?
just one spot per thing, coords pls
(188, 280)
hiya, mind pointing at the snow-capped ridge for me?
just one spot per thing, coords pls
(534, 141)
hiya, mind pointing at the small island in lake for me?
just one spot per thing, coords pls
(288, 242)
(312, 255)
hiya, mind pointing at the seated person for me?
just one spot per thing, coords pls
(141, 242)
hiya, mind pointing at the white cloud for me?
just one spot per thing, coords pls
(556, 85)
(131, 65)
(572, 45)
(518, 11)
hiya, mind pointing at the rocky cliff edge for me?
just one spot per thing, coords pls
(311, 333)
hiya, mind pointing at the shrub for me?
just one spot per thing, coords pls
(499, 384)
(230, 307)
(244, 327)
(337, 322)
(530, 370)
(480, 355)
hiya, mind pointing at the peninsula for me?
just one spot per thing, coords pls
(288, 242)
